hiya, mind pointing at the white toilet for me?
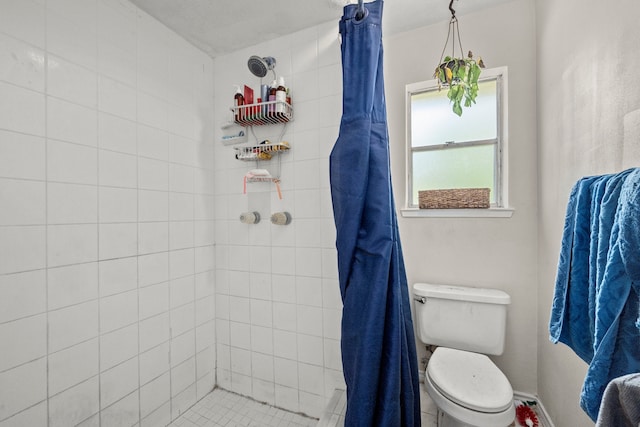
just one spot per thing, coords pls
(466, 323)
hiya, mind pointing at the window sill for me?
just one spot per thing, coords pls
(457, 213)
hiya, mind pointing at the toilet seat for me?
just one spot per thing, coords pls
(467, 416)
(470, 380)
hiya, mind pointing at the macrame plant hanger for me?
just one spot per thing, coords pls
(454, 30)
(456, 72)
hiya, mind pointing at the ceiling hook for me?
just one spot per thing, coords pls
(453, 12)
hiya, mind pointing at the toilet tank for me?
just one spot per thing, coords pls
(464, 318)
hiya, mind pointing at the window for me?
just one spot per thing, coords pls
(447, 151)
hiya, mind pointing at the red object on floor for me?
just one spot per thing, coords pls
(526, 416)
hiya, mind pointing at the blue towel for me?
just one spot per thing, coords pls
(571, 300)
(603, 212)
(602, 188)
(600, 290)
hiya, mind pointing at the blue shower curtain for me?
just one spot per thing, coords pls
(378, 345)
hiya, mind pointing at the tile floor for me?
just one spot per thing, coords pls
(224, 408)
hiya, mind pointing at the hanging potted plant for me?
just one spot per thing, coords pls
(460, 74)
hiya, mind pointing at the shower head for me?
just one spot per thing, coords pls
(260, 66)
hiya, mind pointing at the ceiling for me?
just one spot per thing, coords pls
(222, 26)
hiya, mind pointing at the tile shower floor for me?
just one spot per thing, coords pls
(224, 408)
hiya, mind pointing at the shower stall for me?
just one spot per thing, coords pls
(129, 289)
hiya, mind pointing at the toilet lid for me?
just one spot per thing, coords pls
(470, 380)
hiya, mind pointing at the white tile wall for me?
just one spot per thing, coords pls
(72, 325)
(72, 163)
(118, 346)
(123, 412)
(22, 248)
(25, 202)
(27, 116)
(276, 294)
(28, 386)
(72, 285)
(24, 294)
(28, 338)
(75, 404)
(102, 113)
(72, 203)
(72, 366)
(118, 381)
(154, 363)
(117, 275)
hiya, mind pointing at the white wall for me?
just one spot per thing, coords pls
(277, 296)
(106, 231)
(487, 252)
(589, 123)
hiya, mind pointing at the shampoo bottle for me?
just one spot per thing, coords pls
(264, 94)
(238, 101)
(272, 97)
(281, 97)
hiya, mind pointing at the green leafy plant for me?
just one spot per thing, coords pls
(461, 76)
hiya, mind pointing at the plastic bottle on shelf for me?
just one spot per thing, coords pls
(264, 95)
(272, 97)
(281, 97)
(238, 101)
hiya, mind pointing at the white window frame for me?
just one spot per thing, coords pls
(501, 207)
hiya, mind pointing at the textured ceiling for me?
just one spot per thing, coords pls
(221, 26)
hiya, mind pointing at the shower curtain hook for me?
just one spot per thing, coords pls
(360, 12)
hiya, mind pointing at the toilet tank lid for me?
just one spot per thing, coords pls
(491, 296)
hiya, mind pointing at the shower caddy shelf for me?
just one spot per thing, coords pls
(264, 113)
(262, 152)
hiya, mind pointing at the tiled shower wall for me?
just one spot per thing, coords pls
(106, 223)
(277, 298)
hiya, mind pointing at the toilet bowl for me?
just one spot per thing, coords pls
(468, 389)
(466, 324)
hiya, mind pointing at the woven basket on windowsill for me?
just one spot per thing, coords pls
(454, 198)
